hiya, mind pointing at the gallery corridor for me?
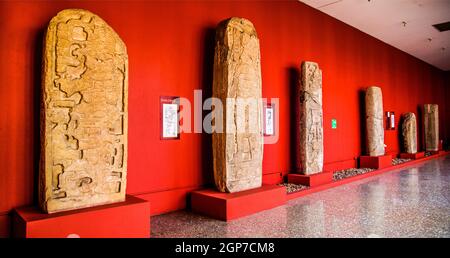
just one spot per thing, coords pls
(408, 202)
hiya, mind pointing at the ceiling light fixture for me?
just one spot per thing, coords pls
(445, 26)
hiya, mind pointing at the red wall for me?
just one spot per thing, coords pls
(170, 47)
(447, 112)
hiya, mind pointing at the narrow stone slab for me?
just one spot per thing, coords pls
(431, 126)
(409, 133)
(374, 122)
(84, 113)
(310, 119)
(238, 149)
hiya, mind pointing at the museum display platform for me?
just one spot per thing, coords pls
(332, 184)
(129, 219)
(311, 180)
(437, 152)
(229, 206)
(377, 162)
(417, 155)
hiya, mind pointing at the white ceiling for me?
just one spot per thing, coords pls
(383, 19)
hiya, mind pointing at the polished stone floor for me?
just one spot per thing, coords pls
(409, 202)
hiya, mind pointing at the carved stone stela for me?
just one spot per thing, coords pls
(374, 122)
(84, 113)
(237, 75)
(310, 119)
(431, 126)
(409, 133)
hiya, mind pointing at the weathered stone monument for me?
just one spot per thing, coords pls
(409, 133)
(374, 122)
(309, 129)
(84, 113)
(431, 127)
(238, 150)
(310, 119)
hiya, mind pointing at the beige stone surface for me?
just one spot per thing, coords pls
(431, 126)
(238, 150)
(374, 122)
(310, 119)
(84, 113)
(409, 133)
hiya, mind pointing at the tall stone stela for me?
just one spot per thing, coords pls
(431, 126)
(84, 113)
(238, 149)
(409, 133)
(374, 122)
(310, 119)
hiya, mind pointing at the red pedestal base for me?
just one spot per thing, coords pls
(229, 206)
(375, 162)
(129, 219)
(417, 155)
(311, 180)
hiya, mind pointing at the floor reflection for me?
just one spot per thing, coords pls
(413, 202)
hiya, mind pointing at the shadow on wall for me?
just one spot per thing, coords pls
(293, 74)
(399, 130)
(37, 81)
(35, 100)
(420, 129)
(207, 81)
(362, 118)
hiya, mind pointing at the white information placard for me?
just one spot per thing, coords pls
(269, 121)
(170, 120)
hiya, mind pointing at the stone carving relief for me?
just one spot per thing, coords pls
(409, 133)
(238, 151)
(84, 113)
(374, 122)
(310, 119)
(431, 126)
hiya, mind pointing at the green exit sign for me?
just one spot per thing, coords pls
(333, 123)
